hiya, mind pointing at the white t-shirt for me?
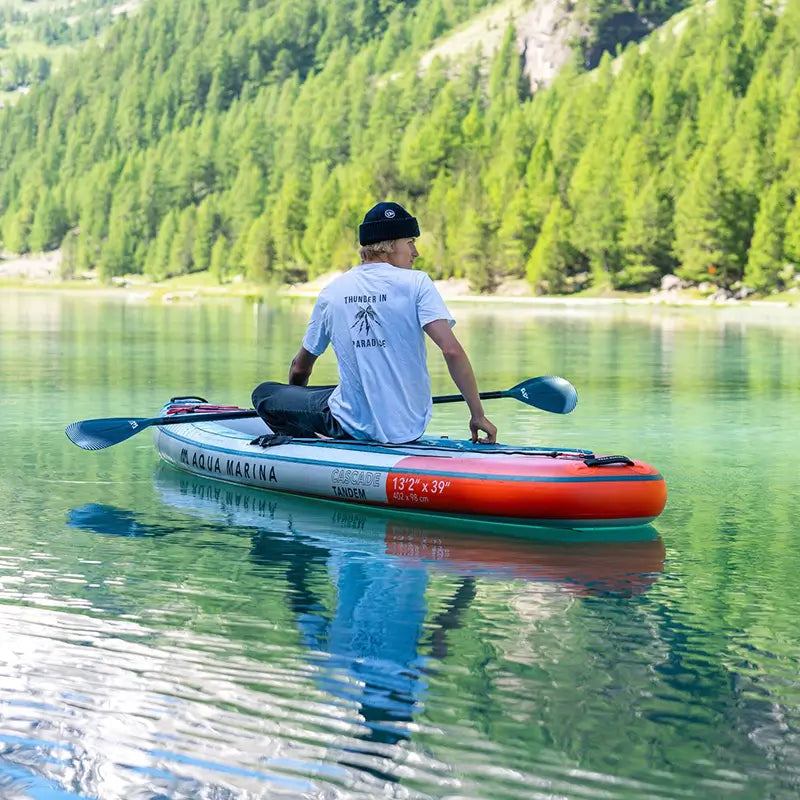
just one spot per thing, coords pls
(374, 315)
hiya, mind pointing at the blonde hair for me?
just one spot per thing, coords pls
(376, 251)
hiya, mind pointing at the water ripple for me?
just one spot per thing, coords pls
(101, 700)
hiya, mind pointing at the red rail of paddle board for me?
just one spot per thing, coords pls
(565, 489)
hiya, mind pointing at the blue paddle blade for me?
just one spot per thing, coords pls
(97, 434)
(548, 392)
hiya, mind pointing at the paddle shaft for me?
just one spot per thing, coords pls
(179, 419)
(454, 398)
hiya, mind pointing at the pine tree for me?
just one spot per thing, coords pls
(552, 259)
(645, 238)
(597, 212)
(287, 223)
(16, 230)
(68, 268)
(157, 266)
(430, 143)
(430, 25)
(787, 138)
(792, 235)
(49, 223)
(245, 199)
(474, 254)
(325, 229)
(646, 234)
(182, 246)
(507, 85)
(765, 259)
(504, 173)
(458, 199)
(515, 236)
(219, 259)
(205, 234)
(257, 252)
(707, 241)
(87, 253)
(116, 253)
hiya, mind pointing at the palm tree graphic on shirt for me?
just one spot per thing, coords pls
(366, 318)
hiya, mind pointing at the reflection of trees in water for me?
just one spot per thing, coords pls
(631, 684)
(717, 689)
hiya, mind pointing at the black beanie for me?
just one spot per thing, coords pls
(387, 221)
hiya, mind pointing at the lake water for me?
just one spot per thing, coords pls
(163, 636)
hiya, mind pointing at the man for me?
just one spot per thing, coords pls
(374, 315)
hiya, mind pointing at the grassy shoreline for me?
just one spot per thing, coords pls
(40, 274)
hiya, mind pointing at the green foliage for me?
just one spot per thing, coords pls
(219, 258)
(157, 266)
(49, 224)
(33, 37)
(792, 240)
(257, 258)
(552, 259)
(68, 268)
(249, 138)
(645, 239)
(766, 258)
(205, 232)
(597, 211)
(709, 240)
(16, 230)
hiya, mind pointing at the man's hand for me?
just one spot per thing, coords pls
(481, 423)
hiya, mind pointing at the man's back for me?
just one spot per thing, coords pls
(374, 316)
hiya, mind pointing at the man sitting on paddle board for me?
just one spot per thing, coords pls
(374, 315)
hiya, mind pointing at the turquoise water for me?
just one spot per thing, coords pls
(168, 636)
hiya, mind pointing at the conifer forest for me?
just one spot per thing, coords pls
(248, 137)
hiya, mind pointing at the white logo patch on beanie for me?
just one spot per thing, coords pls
(389, 213)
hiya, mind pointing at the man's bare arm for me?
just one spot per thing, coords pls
(300, 370)
(461, 372)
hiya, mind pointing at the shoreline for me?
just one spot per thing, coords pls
(40, 273)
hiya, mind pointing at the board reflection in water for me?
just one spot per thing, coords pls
(622, 568)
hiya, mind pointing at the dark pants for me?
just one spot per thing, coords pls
(297, 410)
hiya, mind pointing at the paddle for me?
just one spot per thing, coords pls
(547, 392)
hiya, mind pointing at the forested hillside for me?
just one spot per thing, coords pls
(249, 137)
(36, 36)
